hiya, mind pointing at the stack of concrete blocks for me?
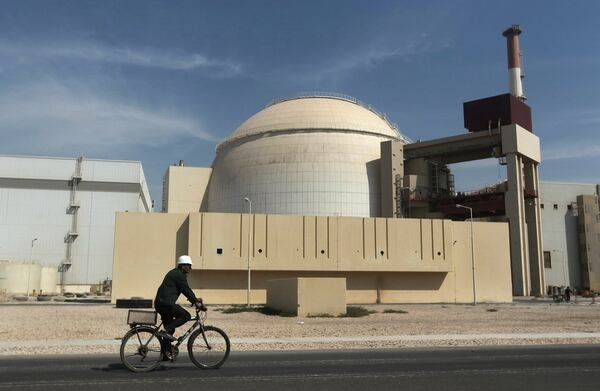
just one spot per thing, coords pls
(307, 296)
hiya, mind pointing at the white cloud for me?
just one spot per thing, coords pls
(374, 53)
(52, 118)
(98, 53)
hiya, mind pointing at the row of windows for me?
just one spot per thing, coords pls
(555, 206)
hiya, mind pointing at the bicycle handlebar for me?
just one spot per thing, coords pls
(199, 306)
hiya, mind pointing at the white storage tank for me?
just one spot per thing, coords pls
(19, 277)
(49, 280)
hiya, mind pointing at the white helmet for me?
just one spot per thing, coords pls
(184, 260)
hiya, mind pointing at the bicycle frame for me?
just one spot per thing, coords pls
(198, 321)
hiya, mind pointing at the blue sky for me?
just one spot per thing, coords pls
(162, 81)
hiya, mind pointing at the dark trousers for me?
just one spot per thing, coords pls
(173, 316)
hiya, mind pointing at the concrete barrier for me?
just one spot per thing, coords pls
(307, 296)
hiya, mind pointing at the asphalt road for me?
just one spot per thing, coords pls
(529, 368)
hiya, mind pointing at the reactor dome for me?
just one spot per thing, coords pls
(309, 155)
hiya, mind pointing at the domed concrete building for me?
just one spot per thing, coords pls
(309, 155)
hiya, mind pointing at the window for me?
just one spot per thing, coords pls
(569, 207)
(555, 206)
(547, 260)
(542, 206)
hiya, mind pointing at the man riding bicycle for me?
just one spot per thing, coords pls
(174, 284)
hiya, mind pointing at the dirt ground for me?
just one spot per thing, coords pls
(73, 322)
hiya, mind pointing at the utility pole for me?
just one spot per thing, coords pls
(249, 244)
(30, 264)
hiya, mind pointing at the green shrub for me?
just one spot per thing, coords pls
(320, 316)
(356, 312)
(271, 311)
(237, 308)
(390, 311)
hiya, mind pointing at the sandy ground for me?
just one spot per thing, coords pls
(68, 322)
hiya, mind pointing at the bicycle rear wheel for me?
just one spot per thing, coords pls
(141, 350)
(209, 351)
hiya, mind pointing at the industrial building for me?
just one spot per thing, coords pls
(57, 215)
(322, 185)
(571, 229)
(308, 200)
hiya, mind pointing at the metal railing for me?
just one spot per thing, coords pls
(348, 98)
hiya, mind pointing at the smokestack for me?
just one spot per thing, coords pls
(514, 61)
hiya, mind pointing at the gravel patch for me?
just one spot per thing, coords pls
(68, 322)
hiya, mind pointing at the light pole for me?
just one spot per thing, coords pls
(249, 235)
(472, 249)
(30, 263)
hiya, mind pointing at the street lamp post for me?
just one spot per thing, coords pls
(249, 243)
(472, 249)
(30, 263)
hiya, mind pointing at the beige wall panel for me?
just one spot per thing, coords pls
(310, 237)
(195, 239)
(463, 277)
(448, 240)
(361, 287)
(404, 240)
(186, 187)
(426, 239)
(285, 242)
(224, 286)
(322, 237)
(333, 239)
(260, 249)
(494, 275)
(350, 245)
(369, 238)
(492, 262)
(437, 237)
(417, 288)
(228, 232)
(146, 247)
(381, 239)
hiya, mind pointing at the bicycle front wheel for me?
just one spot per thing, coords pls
(141, 350)
(210, 349)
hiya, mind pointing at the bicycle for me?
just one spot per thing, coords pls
(142, 350)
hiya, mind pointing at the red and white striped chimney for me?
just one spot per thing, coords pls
(514, 61)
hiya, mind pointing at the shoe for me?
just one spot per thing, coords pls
(166, 336)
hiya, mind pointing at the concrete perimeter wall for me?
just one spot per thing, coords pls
(383, 260)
